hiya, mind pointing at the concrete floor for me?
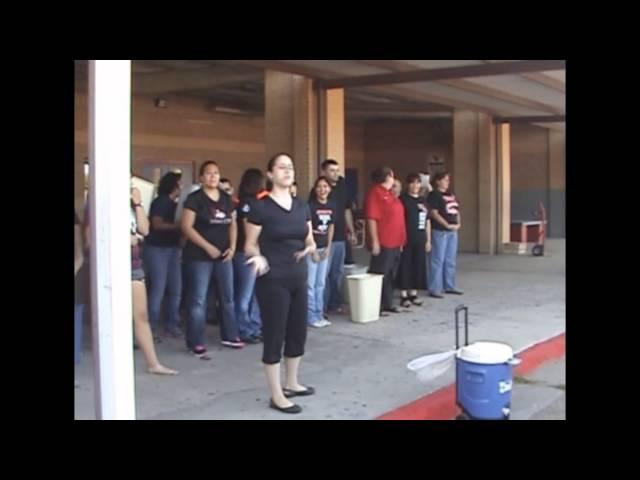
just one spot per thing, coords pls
(359, 370)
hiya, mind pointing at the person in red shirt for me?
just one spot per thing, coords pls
(386, 232)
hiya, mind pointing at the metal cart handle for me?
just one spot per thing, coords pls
(460, 308)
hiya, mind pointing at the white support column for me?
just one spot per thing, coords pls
(109, 157)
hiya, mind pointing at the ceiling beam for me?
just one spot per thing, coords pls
(532, 119)
(405, 93)
(399, 66)
(180, 80)
(540, 78)
(429, 75)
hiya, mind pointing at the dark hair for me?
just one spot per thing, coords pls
(251, 183)
(294, 184)
(313, 195)
(379, 175)
(225, 180)
(205, 165)
(272, 160)
(413, 177)
(437, 177)
(327, 162)
(168, 183)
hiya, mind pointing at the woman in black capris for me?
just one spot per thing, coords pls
(279, 236)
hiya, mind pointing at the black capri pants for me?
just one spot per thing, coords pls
(283, 308)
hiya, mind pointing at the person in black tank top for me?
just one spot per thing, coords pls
(279, 237)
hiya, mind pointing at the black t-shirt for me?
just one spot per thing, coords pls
(339, 198)
(283, 233)
(243, 210)
(322, 215)
(446, 205)
(212, 222)
(165, 208)
(415, 215)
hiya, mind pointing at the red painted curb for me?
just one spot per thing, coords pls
(441, 404)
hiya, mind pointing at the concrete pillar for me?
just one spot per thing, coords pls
(557, 185)
(464, 173)
(291, 119)
(475, 180)
(332, 129)
(503, 141)
(487, 185)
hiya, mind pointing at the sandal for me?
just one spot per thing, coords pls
(414, 299)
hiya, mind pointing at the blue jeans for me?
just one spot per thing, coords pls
(199, 275)
(163, 271)
(316, 280)
(444, 248)
(77, 330)
(333, 295)
(247, 309)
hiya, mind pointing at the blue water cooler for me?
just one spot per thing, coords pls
(484, 376)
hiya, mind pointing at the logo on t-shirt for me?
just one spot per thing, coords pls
(324, 217)
(451, 204)
(219, 217)
(246, 208)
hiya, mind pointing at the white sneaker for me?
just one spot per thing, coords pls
(325, 323)
(318, 324)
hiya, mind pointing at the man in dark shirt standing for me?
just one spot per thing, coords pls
(343, 231)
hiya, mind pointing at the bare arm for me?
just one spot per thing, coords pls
(428, 245)
(372, 227)
(233, 238)
(160, 225)
(348, 217)
(438, 218)
(252, 233)
(309, 244)
(186, 224)
(142, 221)
(78, 256)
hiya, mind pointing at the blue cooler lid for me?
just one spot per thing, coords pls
(487, 353)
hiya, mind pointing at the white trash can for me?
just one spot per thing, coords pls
(365, 293)
(351, 270)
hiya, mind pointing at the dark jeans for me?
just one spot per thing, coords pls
(199, 275)
(386, 263)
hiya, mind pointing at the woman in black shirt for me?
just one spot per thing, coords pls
(247, 309)
(446, 220)
(162, 255)
(413, 264)
(323, 213)
(209, 223)
(279, 236)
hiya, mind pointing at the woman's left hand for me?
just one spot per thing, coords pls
(427, 247)
(301, 254)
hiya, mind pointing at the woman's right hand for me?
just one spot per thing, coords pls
(375, 249)
(213, 252)
(134, 240)
(260, 263)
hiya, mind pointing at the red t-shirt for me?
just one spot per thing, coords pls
(381, 205)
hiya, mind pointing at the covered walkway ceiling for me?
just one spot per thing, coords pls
(513, 90)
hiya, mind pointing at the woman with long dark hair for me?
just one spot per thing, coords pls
(162, 255)
(247, 309)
